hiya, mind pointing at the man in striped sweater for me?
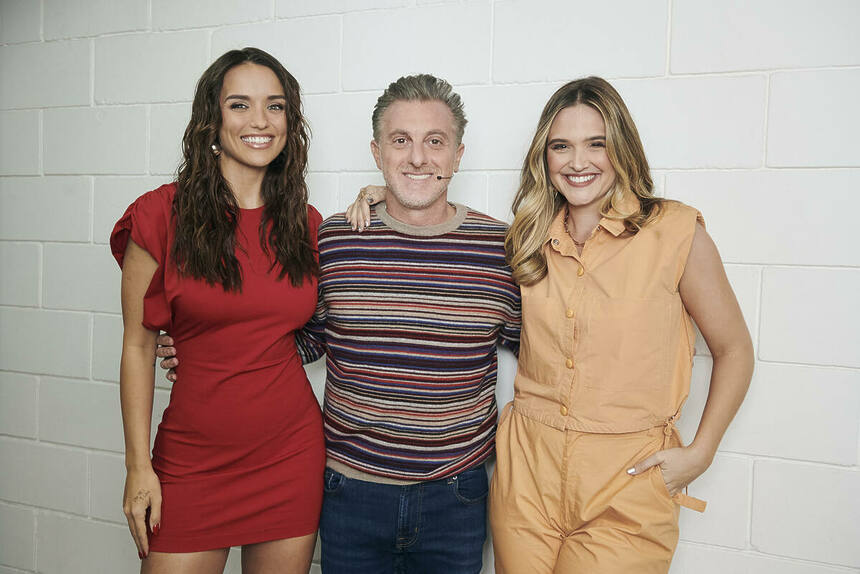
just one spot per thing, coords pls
(411, 307)
(410, 311)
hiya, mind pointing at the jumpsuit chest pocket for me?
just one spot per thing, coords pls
(540, 338)
(626, 344)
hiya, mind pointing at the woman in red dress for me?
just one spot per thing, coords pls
(225, 258)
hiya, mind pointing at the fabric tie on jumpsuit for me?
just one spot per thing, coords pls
(604, 367)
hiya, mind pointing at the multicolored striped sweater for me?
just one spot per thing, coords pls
(409, 318)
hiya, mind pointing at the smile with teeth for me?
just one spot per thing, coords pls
(418, 176)
(580, 179)
(257, 141)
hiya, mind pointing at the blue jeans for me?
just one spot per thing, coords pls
(432, 527)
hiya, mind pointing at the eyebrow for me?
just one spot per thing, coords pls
(244, 97)
(589, 139)
(400, 131)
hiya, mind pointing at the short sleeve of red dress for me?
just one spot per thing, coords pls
(147, 222)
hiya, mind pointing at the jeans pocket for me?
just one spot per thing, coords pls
(471, 486)
(333, 481)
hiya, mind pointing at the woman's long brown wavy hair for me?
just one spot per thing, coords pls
(537, 202)
(205, 209)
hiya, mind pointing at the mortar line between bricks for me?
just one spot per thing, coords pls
(92, 214)
(97, 382)
(814, 365)
(340, 55)
(89, 479)
(147, 137)
(809, 266)
(668, 68)
(40, 284)
(766, 120)
(758, 169)
(492, 57)
(60, 513)
(758, 71)
(759, 553)
(15, 569)
(13, 372)
(71, 448)
(759, 295)
(750, 500)
(38, 406)
(91, 329)
(92, 73)
(807, 561)
(852, 468)
(43, 141)
(816, 266)
(752, 458)
(46, 241)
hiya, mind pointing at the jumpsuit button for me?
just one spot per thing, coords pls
(568, 363)
(568, 313)
(555, 241)
(563, 410)
(580, 272)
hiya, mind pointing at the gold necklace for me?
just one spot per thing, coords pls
(575, 242)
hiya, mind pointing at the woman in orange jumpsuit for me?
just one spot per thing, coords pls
(590, 469)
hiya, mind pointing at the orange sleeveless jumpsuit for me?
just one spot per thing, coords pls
(604, 366)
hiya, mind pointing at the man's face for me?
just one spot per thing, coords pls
(417, 143)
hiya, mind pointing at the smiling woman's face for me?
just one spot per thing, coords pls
(579, 167)
(253, 119)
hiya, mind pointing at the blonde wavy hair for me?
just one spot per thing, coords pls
(537, 202)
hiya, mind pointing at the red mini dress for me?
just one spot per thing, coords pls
(240, 451)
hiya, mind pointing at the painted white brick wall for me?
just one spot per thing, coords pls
(637, 48)
(63, 78)
(288, 41)
(77, 18)
(45, 208)
(747, 110)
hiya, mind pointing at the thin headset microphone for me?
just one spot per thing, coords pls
(440, 177)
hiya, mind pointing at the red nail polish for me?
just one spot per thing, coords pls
(155, 529)
(140, 554)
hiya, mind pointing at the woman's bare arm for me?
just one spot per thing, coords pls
(142, 488)
(708, 297)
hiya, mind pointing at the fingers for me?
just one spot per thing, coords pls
(358, 214)
(644, 465)
(171, 375)
(351, 211)
(164, 340)
(155, 514)
(169, 363)
(135, 514)
(165, 352)
(364, 214)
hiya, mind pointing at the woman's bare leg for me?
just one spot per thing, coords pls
(207, 562)
(286, 556)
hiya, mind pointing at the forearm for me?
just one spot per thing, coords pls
(136, 389)
(310, 347)
(730, 379)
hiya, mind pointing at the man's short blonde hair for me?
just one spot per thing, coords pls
(421, 88)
